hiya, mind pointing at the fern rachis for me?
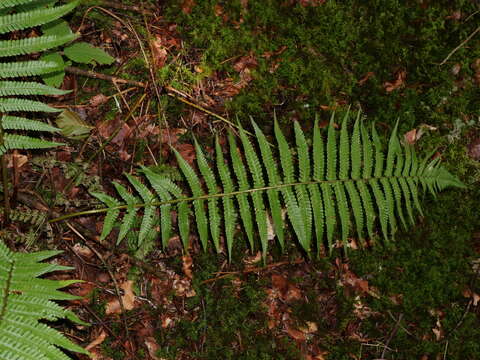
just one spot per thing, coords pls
(346, 181)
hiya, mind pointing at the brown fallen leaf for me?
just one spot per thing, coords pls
(159, 52)
(397, 83)
(187, 263)
(128, 299)
(98, 100)
(187, 6)
(365, 78)
(98, 340)
(295, 334)
(152, 348)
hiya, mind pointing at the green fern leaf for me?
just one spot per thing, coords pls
(129, 218)
(199, 204)
(257, 196)
(354, 181)
(213, 211)
(24, 301)
(230, 214)
(293, 209)
(20, 123)
(112, 213)
(23, 20)
(273, 180)
(32, 45)
(14, 104)
(149, 209)
(8, 88)
(11, 3)
(11, 141)
(301, 190)
(242, 198)
(26, 68)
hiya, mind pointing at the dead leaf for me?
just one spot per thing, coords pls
(107, 128)
(187, 151)
(365, 78)
(411, 136)
(16, 159)
(82, 250)
(159, 52)
(251, 260)
(128, 299)
(187, 6)
(98, 100)
(397, 83)
(245, 62)
(98, 340)
(295, 334)
(187, 266)
(152, 348)
(456, 69)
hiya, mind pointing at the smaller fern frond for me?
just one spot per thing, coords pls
(28, 19)
(27, 68)
(197, 191)
(31, 45)
(14, 104)
(25, 300)
(112, 214)
(11, 141)
(11, 3)
(347, 181)
(9, 88)
(20, 123)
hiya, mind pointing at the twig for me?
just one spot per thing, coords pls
(96, 75)
(117, 288)
(224, 274)
(394, 331)
(461, 44)
(119, 6)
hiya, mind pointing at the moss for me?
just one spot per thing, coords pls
(230, 322)
(329, 48)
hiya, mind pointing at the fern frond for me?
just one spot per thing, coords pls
(27, 68)
(19, 123)
(242, 198)
(24, 301)
(273, 180)
(230, 215)
(28, 19)
(14, 104)
(12, 141)
(11, 3)
(32, 45)
(197, 191)
(348, 177)
(9, 88)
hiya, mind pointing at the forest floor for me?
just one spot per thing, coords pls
(189, 69)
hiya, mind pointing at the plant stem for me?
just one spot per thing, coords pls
(219, 195)
(6, 197)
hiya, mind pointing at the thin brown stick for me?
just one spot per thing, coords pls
(96, 75)
(115, 283)
(133, 8)
(224, 274)
(461, 45)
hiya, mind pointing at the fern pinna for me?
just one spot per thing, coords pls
(24, 300)
(19, 15)
(346, 181)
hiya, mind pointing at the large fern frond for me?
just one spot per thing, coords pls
(346, 182)
(26, 299)
(19, 17)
